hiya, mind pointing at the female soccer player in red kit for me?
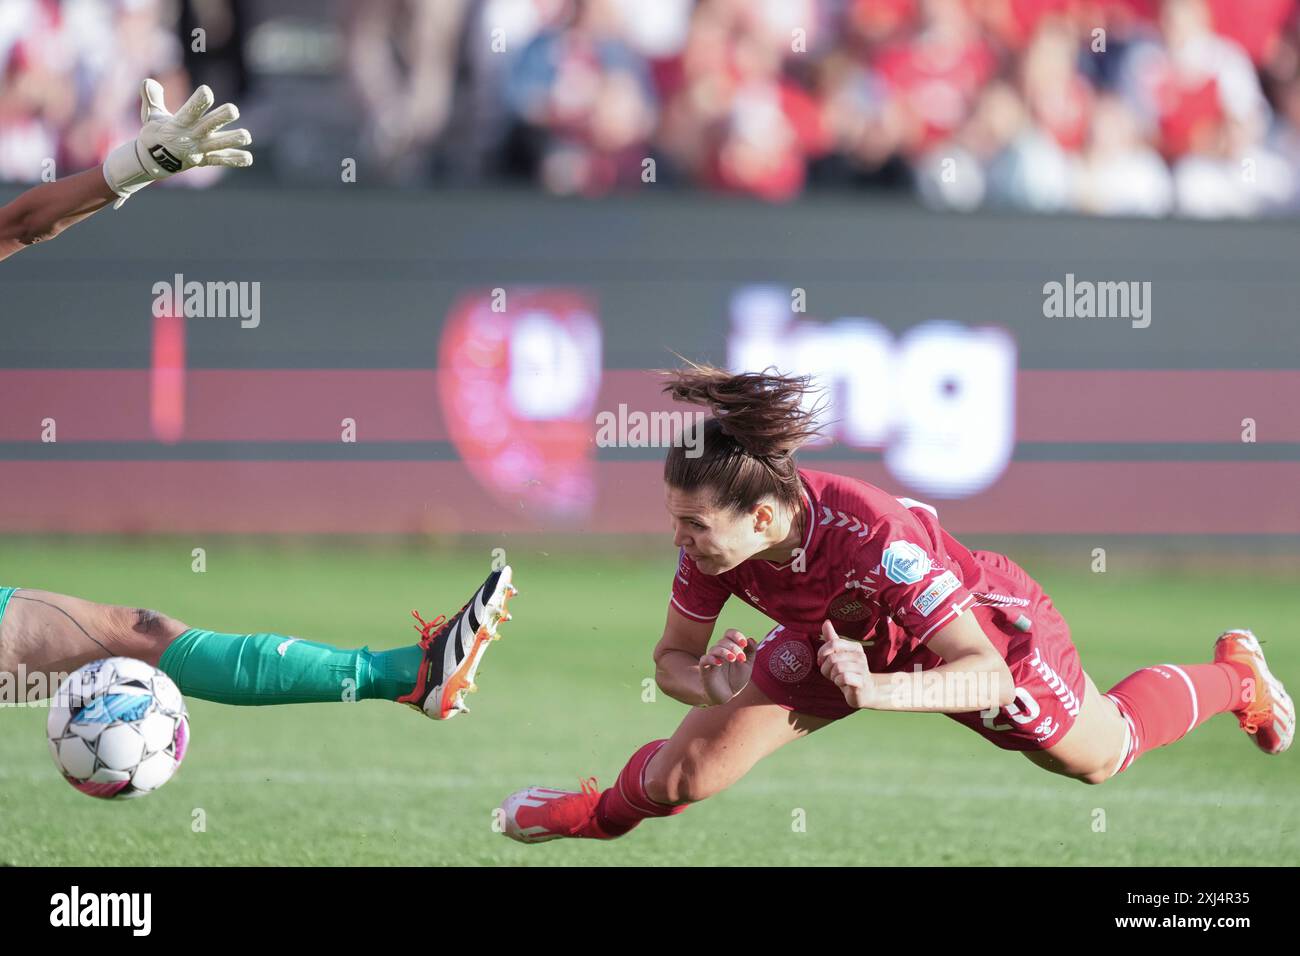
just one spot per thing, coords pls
(877, 607)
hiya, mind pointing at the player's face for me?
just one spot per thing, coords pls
(716, 539)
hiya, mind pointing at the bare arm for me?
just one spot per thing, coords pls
(677, 658)
(688, 670)
(44, 211)
(972, 677)
(167, 144)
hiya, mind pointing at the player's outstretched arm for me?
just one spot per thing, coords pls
(167, 144)
(44, 211)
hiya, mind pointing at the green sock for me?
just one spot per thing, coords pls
(254, 669)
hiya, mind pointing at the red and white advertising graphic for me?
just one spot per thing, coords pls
(518, 374)
(167, 379)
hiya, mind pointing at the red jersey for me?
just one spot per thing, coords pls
(880, 568)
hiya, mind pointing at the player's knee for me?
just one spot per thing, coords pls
(1094, 777)
(695, 789)
(671, 787)
(685, 782)
(142, 631)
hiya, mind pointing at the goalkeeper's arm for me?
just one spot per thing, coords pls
(167, 144)
(45, 211)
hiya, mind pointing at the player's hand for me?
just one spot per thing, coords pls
(726, 667)
(844, 663)
(170, 143)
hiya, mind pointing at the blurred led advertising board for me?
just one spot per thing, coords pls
(388, 388)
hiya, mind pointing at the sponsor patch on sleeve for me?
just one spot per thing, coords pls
(905, 562)
(939, 589)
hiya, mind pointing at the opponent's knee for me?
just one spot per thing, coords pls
(138, 628)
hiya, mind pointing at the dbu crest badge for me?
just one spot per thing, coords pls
(791, 662)
(850, 606)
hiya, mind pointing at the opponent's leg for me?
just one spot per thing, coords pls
(712, 749)
(43, 633)
(52, 634)
(432, 676)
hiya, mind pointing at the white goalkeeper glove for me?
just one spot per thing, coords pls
(169, 144)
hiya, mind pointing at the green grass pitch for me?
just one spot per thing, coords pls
(562, 696)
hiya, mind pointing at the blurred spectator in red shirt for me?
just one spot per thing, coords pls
(937, 73)
(1116, 107)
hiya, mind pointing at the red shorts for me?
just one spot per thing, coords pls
(1043, 661)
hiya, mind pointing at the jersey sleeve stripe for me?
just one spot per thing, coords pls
(952, 612)
(699, 617)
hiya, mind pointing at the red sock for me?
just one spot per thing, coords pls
(1165, 702)
(626, 804)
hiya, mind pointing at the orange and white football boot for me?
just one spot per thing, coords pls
(453, 649)
(1270, 716)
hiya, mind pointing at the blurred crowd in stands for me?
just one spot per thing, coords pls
(1110, 107)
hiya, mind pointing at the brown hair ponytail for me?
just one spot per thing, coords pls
(758, 422)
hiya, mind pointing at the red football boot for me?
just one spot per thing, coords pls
(538, 814)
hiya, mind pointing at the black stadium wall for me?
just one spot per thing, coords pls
(380, 362)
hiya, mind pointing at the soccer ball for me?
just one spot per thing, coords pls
(118, 728)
